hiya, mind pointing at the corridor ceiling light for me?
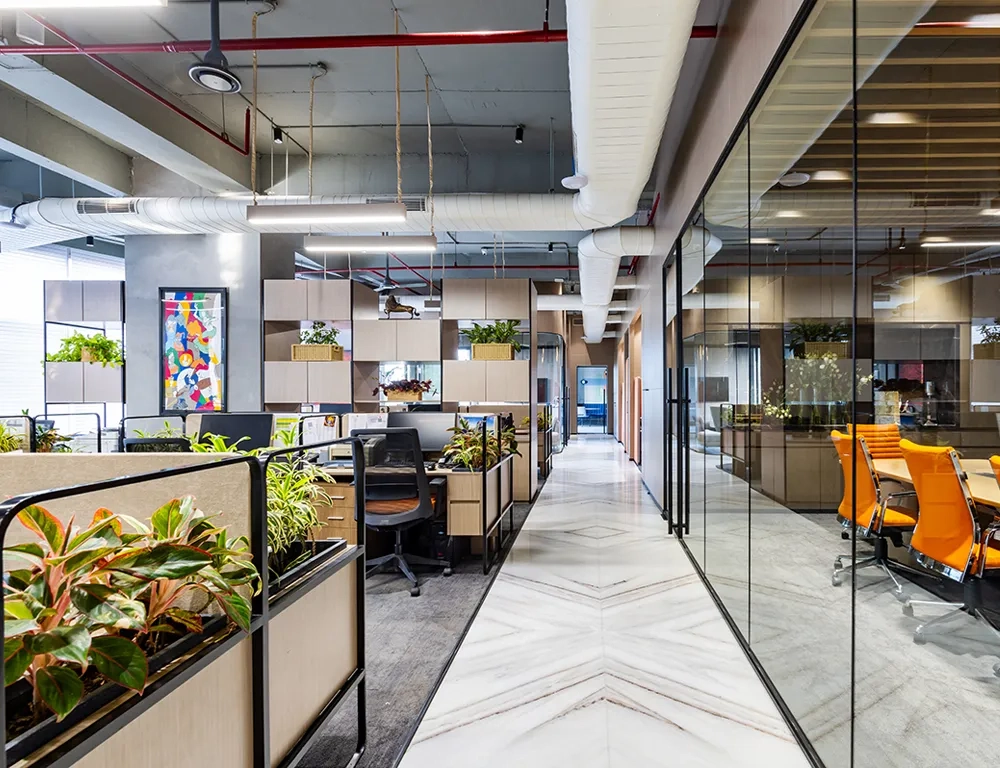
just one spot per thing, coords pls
(372, 244)
(831, 176)
(25, 5)
(984, 21)
(794, 179)
(762, 241)
(277, 135)
(892, 118)
(332, 213)
(788, 215)
(519, 135)
(962, 244)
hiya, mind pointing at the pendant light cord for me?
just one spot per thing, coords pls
(399, 154)
(321, 70)
(253, 127)
(430, 169)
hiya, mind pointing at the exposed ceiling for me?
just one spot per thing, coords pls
(478, 94)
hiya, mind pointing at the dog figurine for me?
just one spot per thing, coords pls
(392, 305)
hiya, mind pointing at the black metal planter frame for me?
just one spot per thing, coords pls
(263, 610)
(502, 511)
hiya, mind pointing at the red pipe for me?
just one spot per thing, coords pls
(223, 137)
(379, 270)
(411, 269)
(407, 40)
(649, 221)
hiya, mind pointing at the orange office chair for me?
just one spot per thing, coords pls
(948, 539)
(882, 439)
(870, 513)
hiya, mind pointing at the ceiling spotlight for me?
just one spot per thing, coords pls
(90, 241)
(892, 118)
(902, 240)
(213, 73)
(277, 135)
(483, 250)
(550, 247)
(795, 179)
(519, 135)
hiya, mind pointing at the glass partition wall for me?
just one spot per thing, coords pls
(841, 274)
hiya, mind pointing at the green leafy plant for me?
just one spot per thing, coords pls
(991, 333)
(98, 348)
(412, 386)
(9, 440)
(320, 333)
(465, 449)
(91, 603)
(500, 332)
(819, 331)
(168, 431)
(210, 443)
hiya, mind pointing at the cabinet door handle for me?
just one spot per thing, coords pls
(338, 498)
(335, 518)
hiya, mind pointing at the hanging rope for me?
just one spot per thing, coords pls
(321, 70)
(494, 255)
(399, 143)
(253, 127)
(430, 169)
(503, 254)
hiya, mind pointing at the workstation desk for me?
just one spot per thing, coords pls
(477, 503)
(982, 482)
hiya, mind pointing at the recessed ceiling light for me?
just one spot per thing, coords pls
(831, 176)
(984, 21)
(788, 215)
(372, 244)
(794, 179)
(892, 118)
(762, 241)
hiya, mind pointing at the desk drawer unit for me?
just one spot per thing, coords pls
(337, 520)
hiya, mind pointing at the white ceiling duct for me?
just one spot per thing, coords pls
(624, 60)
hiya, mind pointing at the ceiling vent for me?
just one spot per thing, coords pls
(99, 207)
(413, 203)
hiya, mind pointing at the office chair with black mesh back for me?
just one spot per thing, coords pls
(398, 495)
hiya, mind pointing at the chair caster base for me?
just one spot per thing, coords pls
(996, 669)
(414, 591)
(919, 639)
(836, 580)
(845, 535)
(447, 572)
(907, 609)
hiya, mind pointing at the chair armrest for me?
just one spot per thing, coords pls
(439, 484)
(900, 495)
(988, 535)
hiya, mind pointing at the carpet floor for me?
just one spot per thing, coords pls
(408, 642)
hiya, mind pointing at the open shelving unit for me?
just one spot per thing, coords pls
(87, 306)
(287, 305)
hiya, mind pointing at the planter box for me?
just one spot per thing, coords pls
(406, 397)
(317, 352)
(492, 351)
(990, 351)
(840, 349)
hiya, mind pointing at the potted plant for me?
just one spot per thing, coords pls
(406, 390)
(818, 339)
(77, 348)
(494, 342)
(318, 343)
(989, 348)
(94, 612)
(465, 449)
(10, 441)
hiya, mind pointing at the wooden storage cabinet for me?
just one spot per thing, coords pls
(337, 520)
(392, 340)
(82, 383)
(76, 301)
(285, 300)
(483, 299)
(507, 300)
(307, 382)
(328, 299)
(507, 381)
(285, 382)
(463, 299)
(374, 340)
(463, 381)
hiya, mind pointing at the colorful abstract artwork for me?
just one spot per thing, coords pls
(194, 351)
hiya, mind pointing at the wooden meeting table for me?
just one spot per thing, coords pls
(982, 482)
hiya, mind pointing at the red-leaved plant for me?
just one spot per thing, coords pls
(413, 386)
(100, 597)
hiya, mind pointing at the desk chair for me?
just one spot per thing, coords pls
(948, 539)
(871, 516)
(398, 496)
(882, 439)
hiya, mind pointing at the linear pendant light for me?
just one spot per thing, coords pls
(333, 213)
(27, 5)
(372, 244)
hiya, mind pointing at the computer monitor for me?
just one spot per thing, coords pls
(258, 427)
(156, 445)
(431, 427)
(476, 421)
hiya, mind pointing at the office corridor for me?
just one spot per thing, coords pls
(598, 645)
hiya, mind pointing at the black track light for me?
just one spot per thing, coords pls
(902, 240)
(277, 135)
(90, 241)
(550, 247)
(519, 135)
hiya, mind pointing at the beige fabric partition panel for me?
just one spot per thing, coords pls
(223, 491)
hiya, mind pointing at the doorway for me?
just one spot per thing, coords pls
(592, 399)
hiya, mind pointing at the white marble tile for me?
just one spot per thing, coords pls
(599, 646)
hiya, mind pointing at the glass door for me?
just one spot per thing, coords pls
(592, 399)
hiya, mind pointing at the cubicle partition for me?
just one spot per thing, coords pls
(223, 697)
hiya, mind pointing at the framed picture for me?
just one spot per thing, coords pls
(193, 374)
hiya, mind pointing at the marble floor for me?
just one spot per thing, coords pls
(598, 645)
(914, 706)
